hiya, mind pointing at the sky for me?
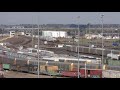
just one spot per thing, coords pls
(11, 18)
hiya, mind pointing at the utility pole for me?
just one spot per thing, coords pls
(119, 33)
(102, 41)
(32, 32)
(96, 41)
(89, 35)
(38, 49)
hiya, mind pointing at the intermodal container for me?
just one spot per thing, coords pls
(6, 66)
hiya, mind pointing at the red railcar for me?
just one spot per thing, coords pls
(69, 73)
(90, 73)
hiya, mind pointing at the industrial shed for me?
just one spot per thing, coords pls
(55, 34)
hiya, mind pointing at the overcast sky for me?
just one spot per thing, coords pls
(58, 17)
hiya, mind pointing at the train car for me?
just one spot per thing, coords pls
(13, 67)
(99, 51)
(115, 51)
(92, 51)
(24, 68)
(49, 70)
(81, 49)
(111, 74)
(72, 74)
(76, 49)
(73, 48)
(86, 50)
(90, 73)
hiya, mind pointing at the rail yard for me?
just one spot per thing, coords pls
(60, 51)
(17, 55)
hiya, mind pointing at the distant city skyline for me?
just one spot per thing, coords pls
(12, 18)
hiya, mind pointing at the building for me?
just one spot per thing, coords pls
(21, 33)
(17, 27)
(93, 36)
(99, 36)
(12, 33)
(55, 34)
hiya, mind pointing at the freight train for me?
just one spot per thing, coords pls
(88, 50)
(28, 66)
(31, 66)
(52, 68)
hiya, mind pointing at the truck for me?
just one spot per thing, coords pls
(113, 56)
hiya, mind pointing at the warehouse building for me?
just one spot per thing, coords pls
(55, 34)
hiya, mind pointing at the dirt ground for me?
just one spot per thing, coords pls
(13, 74)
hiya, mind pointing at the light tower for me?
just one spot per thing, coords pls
(78, 46)
(38, 49)
(102, 40)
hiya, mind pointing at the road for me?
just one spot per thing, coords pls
(5, 38)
